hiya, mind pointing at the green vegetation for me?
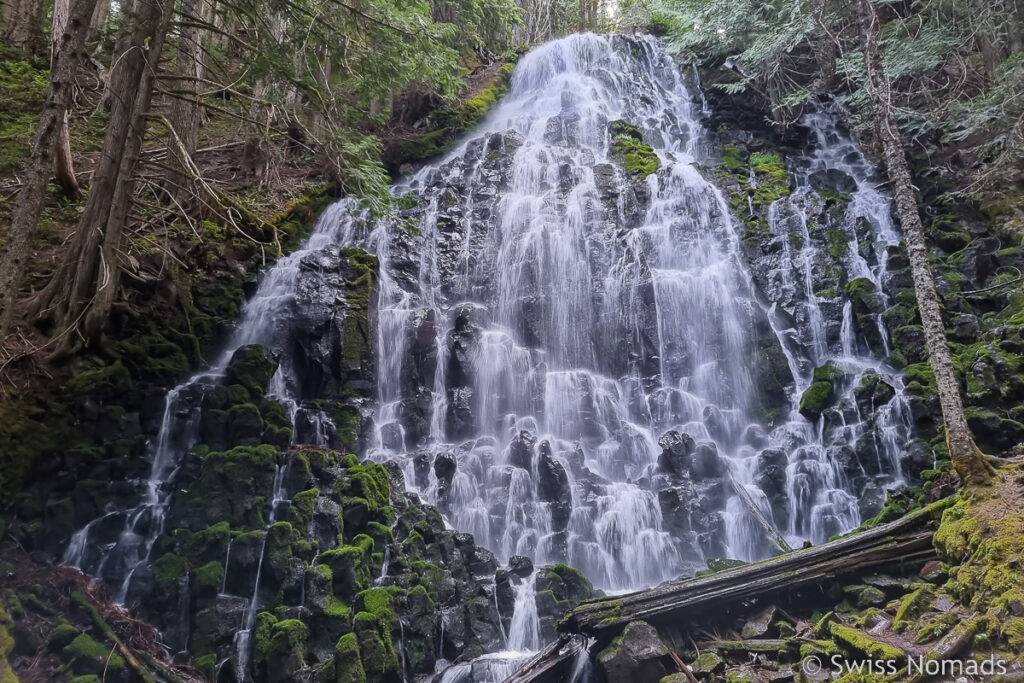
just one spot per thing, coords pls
(628, 147)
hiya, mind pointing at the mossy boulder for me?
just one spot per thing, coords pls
(912, 606)
(279, 647)
(350, 567)
(637, 654)
(169, 567)
(86, 655)
(630, 150)
(252, 367)
(823, 391)
(815, 399)
(232, 487)
(348, 665)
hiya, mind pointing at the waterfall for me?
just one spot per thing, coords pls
(576, 315)
(570, 358)
(524, 632)
(115, 545)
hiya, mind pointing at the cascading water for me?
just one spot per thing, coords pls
(571, 358)
(549, 317)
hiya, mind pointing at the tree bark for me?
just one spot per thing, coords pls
(30, 202)
(184, 111)
(99, 19)
(63, 165)
(969, 462)
(83, 289)
(23, 27)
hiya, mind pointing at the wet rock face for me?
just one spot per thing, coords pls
(691, 492)
(332, 345)
(349, 557)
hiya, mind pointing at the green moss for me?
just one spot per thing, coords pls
(303, 505)
(577, 585)
(61, 636)
(348, 665)
(1012, 633)
(862, 643)
(207, 665)
(210, 575)
(427, 145)
(288, 643)
(262, 633)
(937, 626)
(456, 119)
(921, 376)
(350, 567)
(912, 606)
(815, 399)
(169, 567)
(113, 377)
(771, 175)
(982, 545)
(628, 147)
(827, 373)
(88, 655)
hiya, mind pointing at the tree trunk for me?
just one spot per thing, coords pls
(99, 19)
(127, 15)
(83, 289)
(63, 166)
(184, 111)
(30, 202)
(969, 462)
(23, 24)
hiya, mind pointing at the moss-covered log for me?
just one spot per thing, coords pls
(906, 538)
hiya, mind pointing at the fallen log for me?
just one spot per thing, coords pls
(908, 538)
(553, 663)
(771, 645)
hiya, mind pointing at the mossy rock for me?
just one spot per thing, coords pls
(816, 399)
(828, 373)
(350, 567)
(628, 148)
(348, 666)
(169, 567)
(912, 606)
(861, 643)
(252, 367)
(707, 663)
(865, 596)
(61, 636)
(303, 505)
(86, 655)
(772, 177)
(209, 577)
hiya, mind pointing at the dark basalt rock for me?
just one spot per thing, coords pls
(833, 179)
(252, 367)
(520, 450)
(520, 566)
(676, 448)
(636, 655)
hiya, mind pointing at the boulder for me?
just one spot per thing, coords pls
(636, 655)
(676, 448)
(252, 367)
